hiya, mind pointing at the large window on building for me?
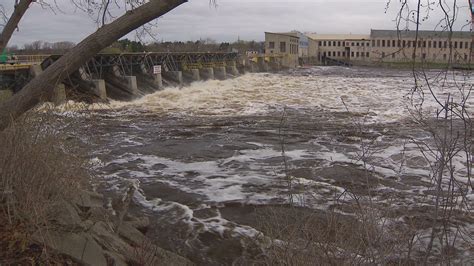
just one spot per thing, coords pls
(434, 44)
(399, 43)
(388, 43)
(460, 45)
(271, 45)
(455, 45)
(393, 43)
(383, 43)
(282, 47)
(367, 54)
(373, 43)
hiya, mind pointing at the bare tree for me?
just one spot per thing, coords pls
(12, 23)
(43, 85)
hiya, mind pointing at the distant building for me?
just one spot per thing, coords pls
(283, 45)
(379, 46)
(431, 46)
(341, 46)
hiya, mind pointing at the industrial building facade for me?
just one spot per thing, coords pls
(382, 46)
(284, 46)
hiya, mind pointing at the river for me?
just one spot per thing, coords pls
(205, 157)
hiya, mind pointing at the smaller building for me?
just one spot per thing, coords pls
(284, 46)
(346, 47)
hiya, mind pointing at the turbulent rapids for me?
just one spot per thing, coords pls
(208, 158)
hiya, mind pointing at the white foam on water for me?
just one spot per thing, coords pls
(213, 179)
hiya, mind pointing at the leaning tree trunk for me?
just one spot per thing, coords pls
(43, 85)
(12, 23)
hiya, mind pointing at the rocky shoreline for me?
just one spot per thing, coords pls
(87, 232)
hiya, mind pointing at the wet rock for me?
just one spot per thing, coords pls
(98, 214)
(131, 234)
(206, 213)
(66, 215)
(87, 199)
(140, 223)
(104, 235)
(115, 259)
(81, 247)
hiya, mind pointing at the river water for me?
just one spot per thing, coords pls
(206, 156)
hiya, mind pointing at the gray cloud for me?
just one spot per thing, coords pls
(247, 19)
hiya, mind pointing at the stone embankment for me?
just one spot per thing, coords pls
(88, 233)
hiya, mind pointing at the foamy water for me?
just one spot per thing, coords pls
(383, 98)
(169, 139)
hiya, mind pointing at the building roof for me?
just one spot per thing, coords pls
(421, 34)
(338, 37)
(289, 34)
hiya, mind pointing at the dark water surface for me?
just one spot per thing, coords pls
(208, 157)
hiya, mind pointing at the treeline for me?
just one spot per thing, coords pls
(128, 46)
(41, 47)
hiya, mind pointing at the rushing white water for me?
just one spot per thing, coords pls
(386, 98)
(167, 139)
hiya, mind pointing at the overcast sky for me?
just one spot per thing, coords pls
(231, 19)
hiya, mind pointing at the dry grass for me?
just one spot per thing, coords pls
(301, 236)
(37, 172)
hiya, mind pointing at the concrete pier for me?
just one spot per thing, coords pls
(192, 75)
(207, 73)
(35, 70)
(5, 95)
(264, 67)
(98, 88)
(132, 85)
(175, 76)
(158, 80)
(220, 73)
(252, 68)
(232, 70)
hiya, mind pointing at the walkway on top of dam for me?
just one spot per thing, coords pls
(173, 61)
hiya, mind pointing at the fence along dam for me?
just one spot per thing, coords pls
(128, 76)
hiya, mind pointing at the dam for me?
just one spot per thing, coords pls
(128, 76)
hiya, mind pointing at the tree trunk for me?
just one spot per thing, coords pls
(43, 85)
(12, 23)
